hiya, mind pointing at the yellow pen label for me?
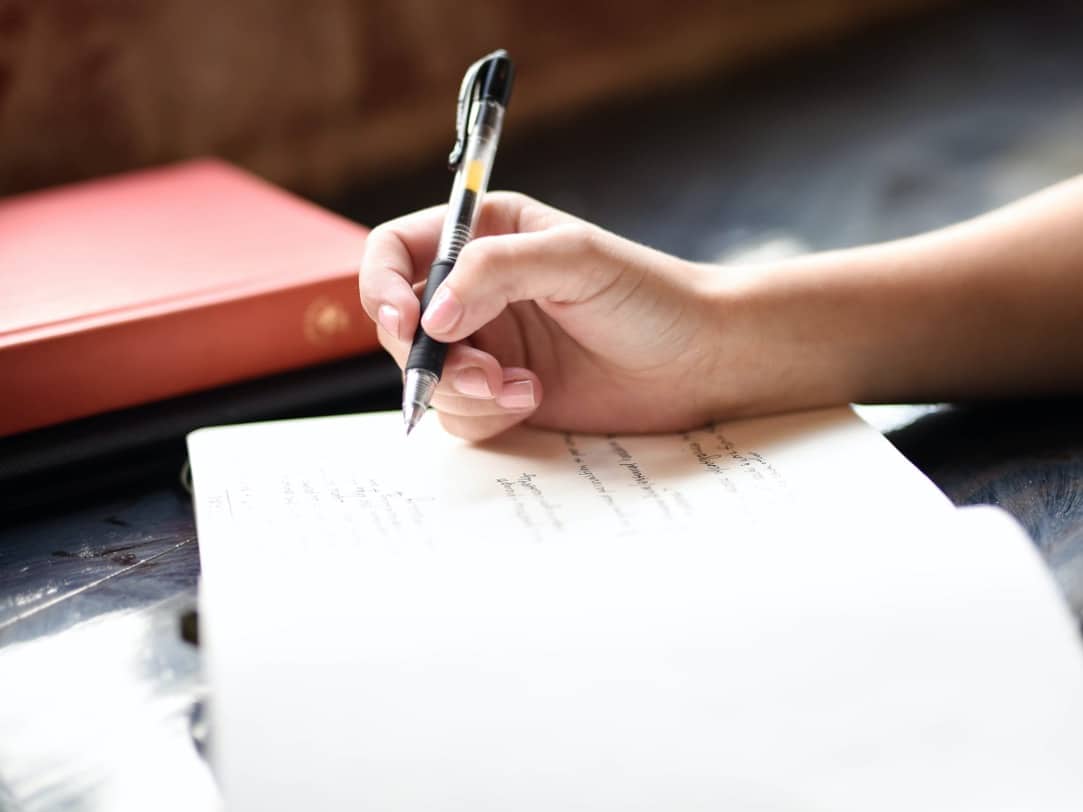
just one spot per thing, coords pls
(475, 171)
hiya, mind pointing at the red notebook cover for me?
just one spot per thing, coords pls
(140, 287)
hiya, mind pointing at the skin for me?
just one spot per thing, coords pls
(561, 324)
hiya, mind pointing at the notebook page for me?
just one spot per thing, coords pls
(357, 480)
(777, 613)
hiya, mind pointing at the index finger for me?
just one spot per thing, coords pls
(397, 253)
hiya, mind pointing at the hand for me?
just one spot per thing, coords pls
(564, 325)
(552, 320)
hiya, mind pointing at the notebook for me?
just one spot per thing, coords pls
(135, 288)
(777, 613)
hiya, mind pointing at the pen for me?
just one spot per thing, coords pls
(483, 98)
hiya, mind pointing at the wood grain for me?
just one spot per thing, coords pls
(318, 95)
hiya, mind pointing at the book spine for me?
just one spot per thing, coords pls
(144, 359)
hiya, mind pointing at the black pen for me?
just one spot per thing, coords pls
(483, 98)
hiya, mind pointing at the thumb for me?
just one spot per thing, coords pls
(567, 264)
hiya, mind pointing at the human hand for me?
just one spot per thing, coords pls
(564, 325)
(552, 321)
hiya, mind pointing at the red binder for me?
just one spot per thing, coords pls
(140, 287)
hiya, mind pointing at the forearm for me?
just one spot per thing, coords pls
(989, 308)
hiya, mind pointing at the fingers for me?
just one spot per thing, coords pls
(396, 254)
(480, 418)
(518, 391)
(513, 212)
(467, 370)
(477, 397)
(563, 264)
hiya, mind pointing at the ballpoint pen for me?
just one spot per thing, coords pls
(483, 98)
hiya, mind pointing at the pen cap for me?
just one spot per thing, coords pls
(495, 78)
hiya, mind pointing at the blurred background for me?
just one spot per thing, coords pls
(322, 95)
(710, 129)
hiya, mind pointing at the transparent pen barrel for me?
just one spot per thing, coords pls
(471, 180)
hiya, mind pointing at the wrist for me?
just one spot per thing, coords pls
(792, 335)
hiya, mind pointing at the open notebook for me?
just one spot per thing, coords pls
(778, 613)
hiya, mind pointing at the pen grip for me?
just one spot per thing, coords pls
(426, 352)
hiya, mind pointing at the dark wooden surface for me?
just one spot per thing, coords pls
(908, 129)
(1025, 457)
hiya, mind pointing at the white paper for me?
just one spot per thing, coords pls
(771, 614)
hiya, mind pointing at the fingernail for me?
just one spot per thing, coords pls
(388, 317)
(472, 382)
(517, 395)
(443, 312)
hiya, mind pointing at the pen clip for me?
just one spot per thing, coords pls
(468, 93)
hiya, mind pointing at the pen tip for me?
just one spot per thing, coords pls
(417, 390)
(412, 414)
